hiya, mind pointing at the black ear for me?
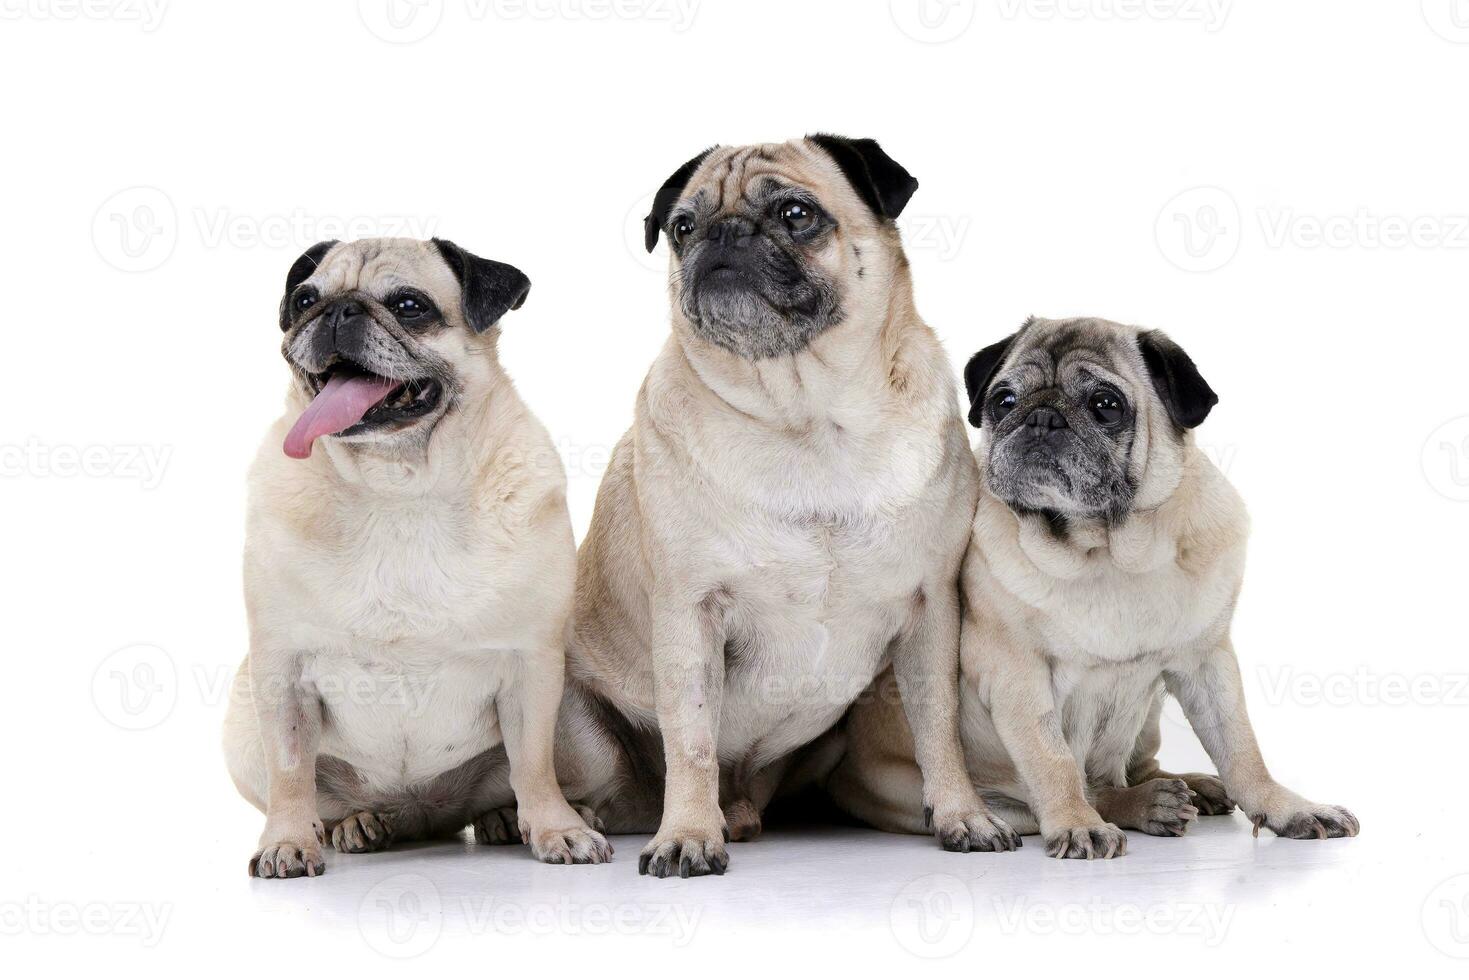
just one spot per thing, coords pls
(880, 180)
(978, 374)
(490, 288)
(301, 270)
(666, 197)
(1184, 392)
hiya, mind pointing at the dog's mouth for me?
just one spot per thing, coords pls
(350, 400)
(721, 273)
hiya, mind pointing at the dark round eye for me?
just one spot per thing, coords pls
(682, 229)
(1001, 403)
(305, 300)
(797, 216)
(408, 307)
(1107, 407)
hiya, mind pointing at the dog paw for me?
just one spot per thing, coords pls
(742, 821)
(576, 844)
(499, 826)
(363, 832)
(298, 858)
(687, 854)
(1165, 807)
(1208, 794)
(977, 831)
(1103, 840)
(502, 825)
(1304, 820)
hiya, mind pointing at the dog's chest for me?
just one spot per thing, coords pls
(396, 577)
(1112, 616)
(1103, 709)
(810, 621)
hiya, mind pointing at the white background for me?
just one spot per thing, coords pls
(1279, 185)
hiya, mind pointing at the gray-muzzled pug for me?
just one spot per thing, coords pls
(1106, 558)
(786, 516)
(408, 582)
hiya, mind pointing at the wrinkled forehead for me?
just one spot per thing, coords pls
(380, 266)
(1065, 353)
(750, 175)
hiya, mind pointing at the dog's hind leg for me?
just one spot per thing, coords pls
(1206, 792)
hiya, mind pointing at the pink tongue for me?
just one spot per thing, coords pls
(341, 404)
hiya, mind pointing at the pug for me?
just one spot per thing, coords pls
(1106, 558)
(409, 570)
(786, 516)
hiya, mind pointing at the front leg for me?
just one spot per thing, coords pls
(557, 834)
(926, 664)
(288, 709)
(1213, 698)
(688, 689)
(1016, 686)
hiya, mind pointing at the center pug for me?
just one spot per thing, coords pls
(787, 515)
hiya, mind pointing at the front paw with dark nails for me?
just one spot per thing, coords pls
(290, 850)
(1103, 840)
(1307, 821)
(687, 854)
(976, 831)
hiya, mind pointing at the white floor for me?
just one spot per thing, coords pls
(827, 896)
(130, 860)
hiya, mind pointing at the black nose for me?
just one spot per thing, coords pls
(341, 311)
(1045, 420)
(731, 232)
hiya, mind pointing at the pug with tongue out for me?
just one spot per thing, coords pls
(409, 568)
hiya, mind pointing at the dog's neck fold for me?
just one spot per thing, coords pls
(1144, 540)
(842, 378)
